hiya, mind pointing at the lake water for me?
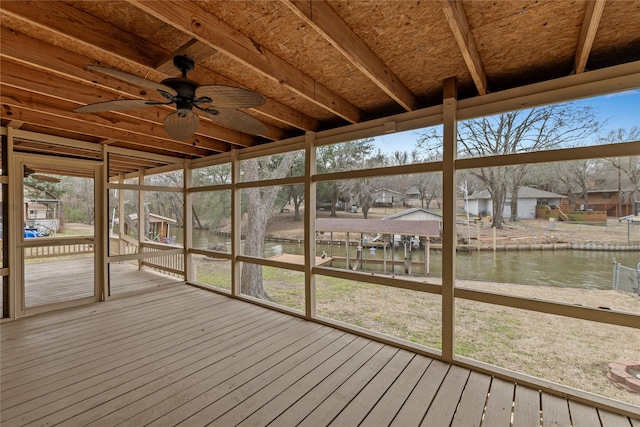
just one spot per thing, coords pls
(561, 268)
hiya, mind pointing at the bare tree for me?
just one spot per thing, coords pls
(259, 204)
(341, 157)
(536, 129)
(630, 166)
(363, 191)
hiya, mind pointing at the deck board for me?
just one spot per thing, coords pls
(305, 404)
(555, 411)
(260, 390)
(499, 403)
(444, 404)
(389, 405)
(282, 401)
(609, 419)
(324, 413)
(583, 415)
(471, 409)
(180, 355)
(526, 407)
(418, 402)
(359, 407)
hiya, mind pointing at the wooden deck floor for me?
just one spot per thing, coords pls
(180, 355)
(53, 281)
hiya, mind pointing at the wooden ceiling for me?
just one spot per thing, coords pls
(318, 64)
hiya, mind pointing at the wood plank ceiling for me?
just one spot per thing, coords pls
(318, 64)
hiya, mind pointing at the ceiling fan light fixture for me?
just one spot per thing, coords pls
(180, 126)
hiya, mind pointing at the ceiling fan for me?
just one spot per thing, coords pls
(219, 103)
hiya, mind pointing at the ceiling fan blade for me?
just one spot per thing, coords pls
(133, 79)
(236, 119)
(45, 178)
(118, 104)
(181, 127)
(229, 96)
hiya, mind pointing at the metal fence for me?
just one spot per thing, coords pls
(626, 279)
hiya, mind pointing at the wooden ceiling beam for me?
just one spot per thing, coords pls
(52, 122)
(31, 51)
(60, 60)
(26, 107)
(191, 19)
(129, 161)
(85, 29)
(46, 148)
(71, 68)
(39, 82)
(53, 169)
(322, 18)
(590, 23)
(457, 20)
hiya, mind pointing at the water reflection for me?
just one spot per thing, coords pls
(560, 268)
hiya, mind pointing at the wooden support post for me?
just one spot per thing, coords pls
(331, 244)
(384, 255)
(494, 239)
(121, 222)
(102, 230)
(449, 238)
(236, 231)
(347, 252)
(187, 228)
(393, 255)
(427, 257)
(141, 218)
(310, 226)
(14, 232)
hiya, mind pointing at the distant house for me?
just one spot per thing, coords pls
(416, 214)
(159, 227)
(387, 197)
(35, 210)
(42, 213)
(480, 203)
(616, 202)
(413, 193)
(425, 220)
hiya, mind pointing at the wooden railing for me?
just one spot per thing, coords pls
(171, 264)
(58, 250)
(124, 246)
(563, 216)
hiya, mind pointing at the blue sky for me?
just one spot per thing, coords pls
(622, 110)
(619, 110)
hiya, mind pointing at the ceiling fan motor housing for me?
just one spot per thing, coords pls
(186, 89)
